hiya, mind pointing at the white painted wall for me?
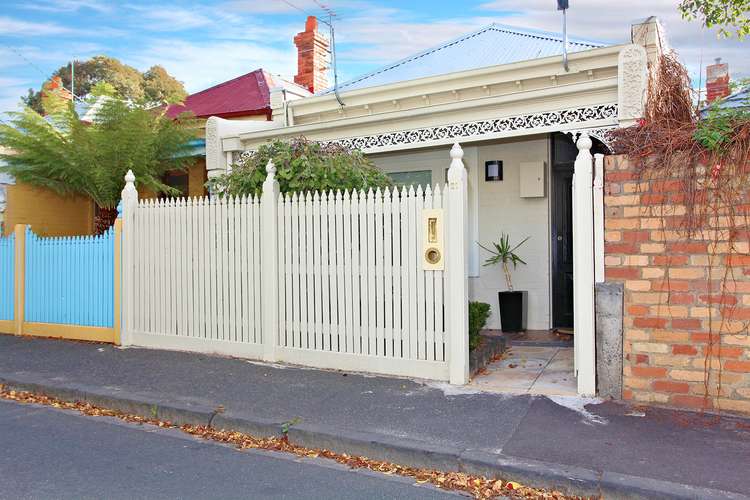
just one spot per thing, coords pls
(496, 207)
(438, 160)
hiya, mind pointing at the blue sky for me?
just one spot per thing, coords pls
(206, 42)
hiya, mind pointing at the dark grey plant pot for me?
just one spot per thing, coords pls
(513, 310)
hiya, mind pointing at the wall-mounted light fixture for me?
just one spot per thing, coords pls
(493, 170)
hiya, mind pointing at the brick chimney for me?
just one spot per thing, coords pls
(717, 80)
(55, 86)
(312, 57)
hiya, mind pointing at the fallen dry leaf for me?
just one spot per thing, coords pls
(479, 487)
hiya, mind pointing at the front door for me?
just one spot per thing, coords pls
(564, 152)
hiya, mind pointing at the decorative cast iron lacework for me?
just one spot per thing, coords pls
(469, 130)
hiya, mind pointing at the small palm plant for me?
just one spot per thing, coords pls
(505, 254)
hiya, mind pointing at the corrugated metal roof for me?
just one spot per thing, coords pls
(738, 99)
(245, 95)
(248, 93)
(490, 46)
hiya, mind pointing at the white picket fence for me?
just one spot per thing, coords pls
(330, 280)
(195, 270)
(351, 281)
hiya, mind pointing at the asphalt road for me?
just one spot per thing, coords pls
(48, 453)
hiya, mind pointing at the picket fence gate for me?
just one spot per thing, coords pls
(195, 271)
(330, 280)
(69, 280)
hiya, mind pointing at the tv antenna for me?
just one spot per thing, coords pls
(563, 6)
(332, 35)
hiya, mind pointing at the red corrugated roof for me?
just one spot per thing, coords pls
(245, 95)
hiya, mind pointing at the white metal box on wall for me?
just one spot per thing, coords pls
(532, 179)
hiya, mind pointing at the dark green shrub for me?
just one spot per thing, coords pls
(478, 314)
(302, 165)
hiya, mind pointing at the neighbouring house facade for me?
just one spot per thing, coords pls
(245, 98)
(50, 213)
(504, 94)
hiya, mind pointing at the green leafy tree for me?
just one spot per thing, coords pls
(71, 157)
(302, 165)
(102, 89)
(128, 83)
(33, 99)
(159, 87)
(730, 16)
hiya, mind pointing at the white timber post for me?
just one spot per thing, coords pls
(599, 218)
(269, 262)
(129, 203)
(583, 268)
(457, 286)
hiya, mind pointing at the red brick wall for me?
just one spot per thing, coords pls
(673, 306)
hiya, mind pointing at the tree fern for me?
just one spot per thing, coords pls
(68, 156)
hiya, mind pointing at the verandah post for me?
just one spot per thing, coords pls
(583, 268)
(457, 285)
(129, 203)
(269, 263)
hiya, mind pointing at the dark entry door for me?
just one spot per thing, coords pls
(562, 247)
(564, 152)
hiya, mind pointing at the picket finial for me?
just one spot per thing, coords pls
(456, 172)
(456, 152)
(584, 142)
(129, 195)
(271, 185)
(270, 171)
(129, 184)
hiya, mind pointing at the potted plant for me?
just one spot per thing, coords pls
(512, 302)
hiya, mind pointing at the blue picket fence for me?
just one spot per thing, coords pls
(70, 280)
(7, 277)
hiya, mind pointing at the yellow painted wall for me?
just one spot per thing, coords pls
(197, 177)
(48, 213)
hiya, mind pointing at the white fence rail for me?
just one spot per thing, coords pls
(331, 280)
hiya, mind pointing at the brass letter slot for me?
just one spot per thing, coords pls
(433, 239)
(432, 231)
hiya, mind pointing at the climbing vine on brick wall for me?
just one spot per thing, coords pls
(702, 163)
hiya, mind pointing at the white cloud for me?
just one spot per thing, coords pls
(68, 5)
(17, 27)
(592, 19)
(206, 64)
(284, 7)
(170, 18)
(386, 38)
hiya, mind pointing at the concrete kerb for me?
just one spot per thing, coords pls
(404, 451)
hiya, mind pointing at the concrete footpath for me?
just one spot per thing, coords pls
(577, 446)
